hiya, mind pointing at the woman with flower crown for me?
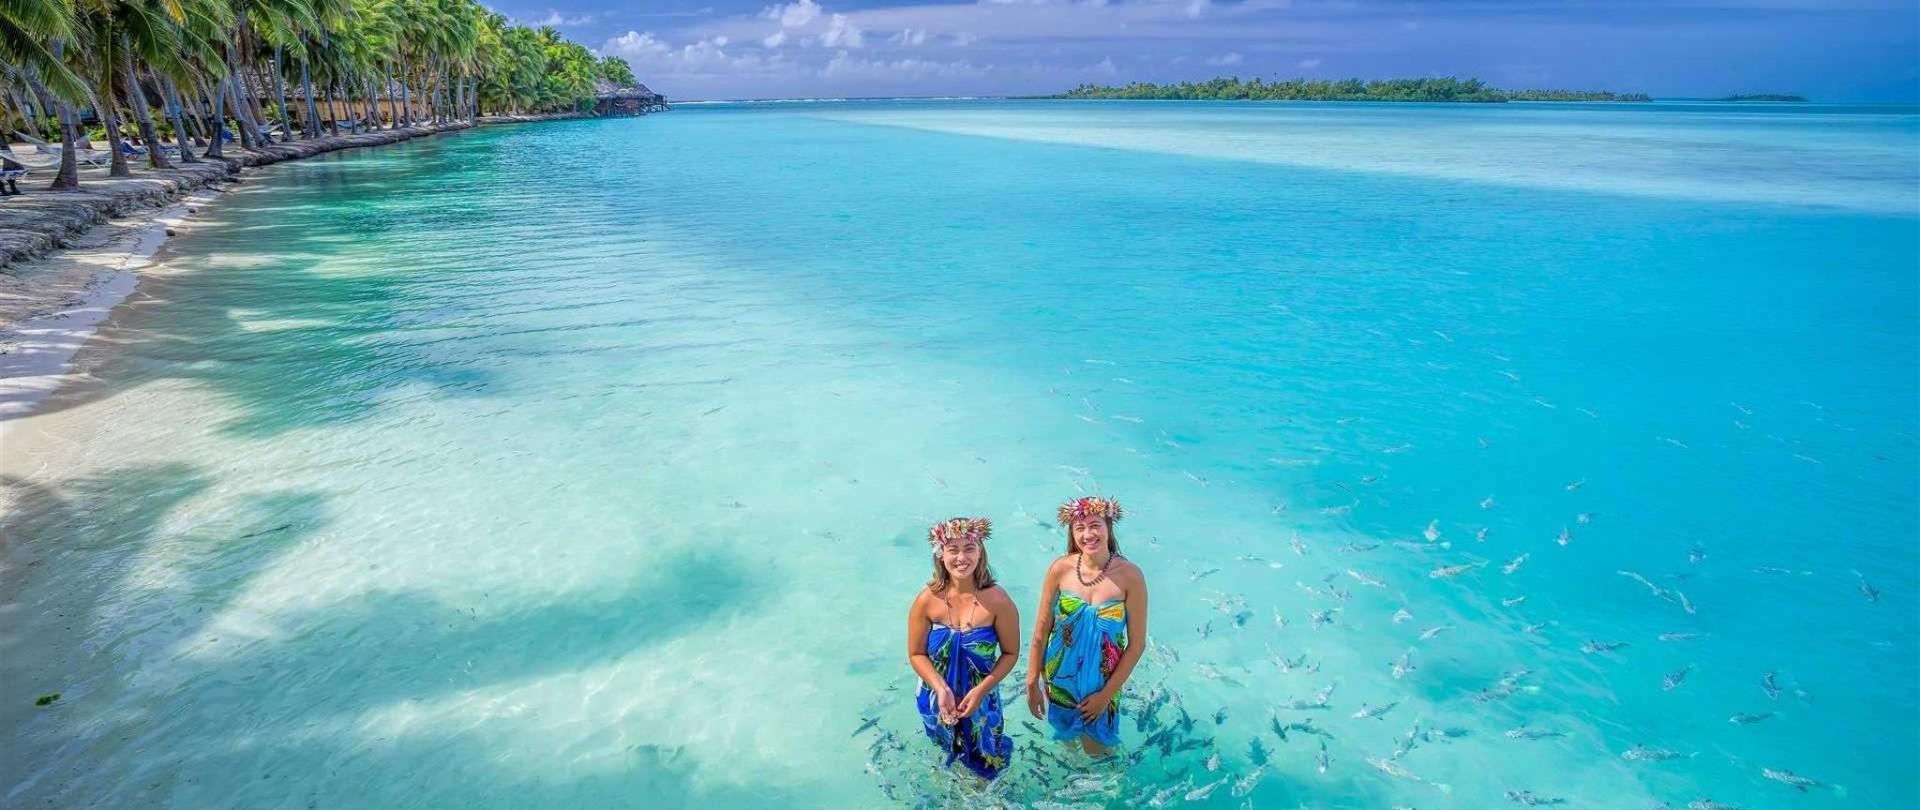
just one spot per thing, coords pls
(963, 637)
(1093, 623)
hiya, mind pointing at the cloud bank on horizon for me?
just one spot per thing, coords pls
(728, 49)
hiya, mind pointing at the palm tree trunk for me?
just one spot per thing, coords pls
(68, 176)
(141, 115)
(179, 121)
(218, 99)
(104, 105)
(393, 101)
(280, 87)
(249, 136)
(333, 122)
(406, 93)
(312, 127)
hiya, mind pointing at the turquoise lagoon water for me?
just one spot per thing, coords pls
(585, 464)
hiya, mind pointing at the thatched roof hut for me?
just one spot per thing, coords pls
(636, 100)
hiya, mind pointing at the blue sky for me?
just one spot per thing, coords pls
(706, 49)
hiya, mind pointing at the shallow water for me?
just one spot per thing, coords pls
(583, 464)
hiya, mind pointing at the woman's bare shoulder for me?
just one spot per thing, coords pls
(996, 598)
(1125, 569)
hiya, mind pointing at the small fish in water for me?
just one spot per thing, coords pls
(1213, 762)
(1394, 451)
(1220, 718)
(1205, 630)
(1583, 518)
(1535, 628)
(1367, 712)
(1402, 615)
(1391, 768)
(1866, 589)
(1163, 797)
(1404, 665)
(1432, 532)
(1590, 413)
(1337, 510)
(1685, 603)
(1366, 579)
(1451, 571)
(1772, 689)
(1675, 442)
(1359, 548)
(1791, 779)
(1592, 647)
(1530, 799)
(1321, 761)
(1697, 555)
(1134, 419)
(867, 724)
(1246, 783)
(1512, 601)
(1744, 719)
(1431, 632)
(1299, 548)
(1657, 590)
(1281, 508)
(1257, 753)
(1709, 804)
(1576, 484)
(1484, 444)
(1368, 479)
(1321, 618)
(1202, 792)
(1481, 535)
(1641, 753)
(1515, 563)
(1487, 503)
(1524, 733)
(1681, 636)
(1510, 375)
(1742, 408)
(1564, 537)
(1203, 574)
(1673, 679)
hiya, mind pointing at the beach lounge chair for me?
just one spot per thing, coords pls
(132, 151)
(10, 173)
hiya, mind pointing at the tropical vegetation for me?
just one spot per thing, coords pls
(195, 73)
(1448, 89)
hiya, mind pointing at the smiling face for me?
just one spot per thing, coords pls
(961, 558)
(1090, 534)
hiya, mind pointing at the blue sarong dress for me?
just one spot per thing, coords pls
(964, 658)
(1087, 641)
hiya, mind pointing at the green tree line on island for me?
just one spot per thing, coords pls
(201, 68)
(1447, 89)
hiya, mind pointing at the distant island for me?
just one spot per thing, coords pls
(1448, 90)
(1764, 97)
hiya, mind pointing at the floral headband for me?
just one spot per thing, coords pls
(958, 530)
(1089, 506)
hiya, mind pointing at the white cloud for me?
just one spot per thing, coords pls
(1231, 58)
(963, 39)
(775, 39)
(559, 20)
(908, 37)
(1104, 67)
(634, 45)
(793, 15)
(842, 34)
(844, 65)
(1196, 7)
(1309, 64)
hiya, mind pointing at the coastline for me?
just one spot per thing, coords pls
(68, 258)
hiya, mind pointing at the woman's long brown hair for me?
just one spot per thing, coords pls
(1113, 540)
(982, 573)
